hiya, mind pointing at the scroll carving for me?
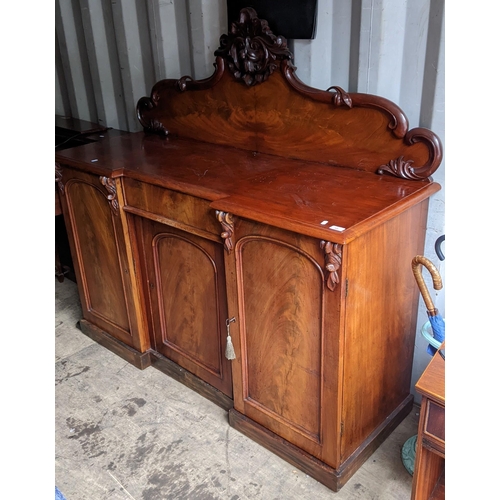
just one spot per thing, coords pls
(150, 124)
(399, 168)
(227, 223)
(59, 177)
(156, 127)
(251, 53)
(110, 186)
(333, 260)
(251, 50)
(183, 82)
(404, 168)
(341, 97)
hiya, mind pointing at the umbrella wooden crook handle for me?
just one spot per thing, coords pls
(416, 264)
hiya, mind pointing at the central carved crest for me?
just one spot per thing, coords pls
(251, 49)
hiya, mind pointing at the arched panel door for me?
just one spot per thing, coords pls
(187, 292)
(98, 249)
(286, 376)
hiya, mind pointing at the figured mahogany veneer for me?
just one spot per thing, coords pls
(283, 216)
(285, 117)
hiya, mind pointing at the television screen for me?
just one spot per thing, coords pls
(293, 19)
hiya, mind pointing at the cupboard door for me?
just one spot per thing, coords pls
(286, 374)
(188, 302)
(99, 254)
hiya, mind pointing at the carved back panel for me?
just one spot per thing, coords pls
(254, 101)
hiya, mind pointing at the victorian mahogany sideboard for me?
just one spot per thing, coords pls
(258, 213)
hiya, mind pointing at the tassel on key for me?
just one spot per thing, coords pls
(230, 354)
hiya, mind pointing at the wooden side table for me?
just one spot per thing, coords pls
(428, 477)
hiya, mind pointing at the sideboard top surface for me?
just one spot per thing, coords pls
(300, 195)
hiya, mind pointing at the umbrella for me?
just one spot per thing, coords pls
(435, 319)
(408, 451)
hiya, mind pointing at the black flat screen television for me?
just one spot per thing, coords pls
(293, 19)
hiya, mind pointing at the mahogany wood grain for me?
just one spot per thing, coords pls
(290, 120)
(172, 208)
(255, 101)
(380, 322)
(287, 377)
(337, 205)
(187, 295)
(292, 194)
(94, 236)
(297, 211)
(97, 239)
(135, 292)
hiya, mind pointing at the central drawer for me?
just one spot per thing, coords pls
(172, 208)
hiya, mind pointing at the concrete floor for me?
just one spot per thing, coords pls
(124, 434)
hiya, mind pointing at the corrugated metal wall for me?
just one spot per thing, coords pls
(109, 53)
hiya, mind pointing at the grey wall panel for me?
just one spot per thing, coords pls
(313, 58)
(133, 41)
(61, 87)
(109, 53)
(414, 55)
(169, 38)
(101, 44)
(207, 20)
(74, 60)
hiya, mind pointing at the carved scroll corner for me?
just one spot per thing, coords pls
(110, 186)
(341, 97)
(400, 168)
(150, 124)
(333, 261)
(251, 50)
(405, 169)
(59, 178)
(227, 222)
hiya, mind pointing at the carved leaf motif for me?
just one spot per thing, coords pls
(333, 260)
(251, 49)
(400, 168)
(157, 126)
(59, 177)
(227, 223)
(150, 124)
(110, 186)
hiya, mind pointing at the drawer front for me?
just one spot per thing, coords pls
(172, 208)
(434, 427)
